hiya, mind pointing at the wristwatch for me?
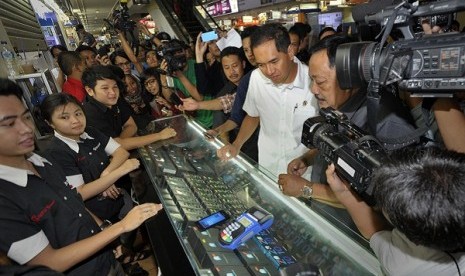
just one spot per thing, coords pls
(307, 192)
(106, 223)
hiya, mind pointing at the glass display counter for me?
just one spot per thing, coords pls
(192, 182)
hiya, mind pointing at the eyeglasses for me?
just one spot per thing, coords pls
(122, 64)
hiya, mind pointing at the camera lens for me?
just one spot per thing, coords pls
(354, 64)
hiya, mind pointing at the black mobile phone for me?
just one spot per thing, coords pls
(175, 99)
(212, 220)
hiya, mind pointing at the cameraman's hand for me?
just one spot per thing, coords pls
(227, 152)
(200, 48)
(138, 215)
(104, 60)
(164, 65)
(297, 167)
(428, 29)
(291, 185)
(341, 189)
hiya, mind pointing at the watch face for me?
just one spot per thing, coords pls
(307, 192)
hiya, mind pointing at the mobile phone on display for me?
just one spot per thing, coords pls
(209, 36)
(212, 220)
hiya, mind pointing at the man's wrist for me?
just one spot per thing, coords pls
(105, 224)
(307, 191)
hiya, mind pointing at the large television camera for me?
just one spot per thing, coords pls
(354, 153)
(173, 52)
(429, 65)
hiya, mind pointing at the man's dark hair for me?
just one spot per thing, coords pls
(422, 192)
(231, 50)
(330, 43)
(82, 48)
(247, 32)
(326, 29)
(163, 36)
(67, 60)
(59, 47)
(98, 72)
(271, 31)
(79, 27)
(10, 88)
(300, 29)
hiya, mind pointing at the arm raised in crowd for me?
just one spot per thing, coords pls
(130, 53)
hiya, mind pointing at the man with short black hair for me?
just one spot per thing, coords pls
(86, 38)
(278, 99)
(421, 192)
(109, 113)
(72, 65)
(88, 54)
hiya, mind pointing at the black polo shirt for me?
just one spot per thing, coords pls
(109, 121)
(37, 211)
(84, 161)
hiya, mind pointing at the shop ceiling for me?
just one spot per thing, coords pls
(92, 12)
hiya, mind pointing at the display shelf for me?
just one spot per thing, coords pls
(36, 87)
(192, 182)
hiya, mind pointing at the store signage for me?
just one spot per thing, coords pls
(252, 4)
(222, 7)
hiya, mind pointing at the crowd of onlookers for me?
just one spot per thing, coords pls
(255, 99)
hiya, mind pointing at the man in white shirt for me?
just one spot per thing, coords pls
(278, 99)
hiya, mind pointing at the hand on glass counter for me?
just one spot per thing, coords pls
(227, 152)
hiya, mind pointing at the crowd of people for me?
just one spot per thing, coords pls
(255, 99)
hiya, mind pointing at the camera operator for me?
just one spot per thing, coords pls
(185, 77)
(130, 55)
(86, 38)
(351, 102)
(421, 192)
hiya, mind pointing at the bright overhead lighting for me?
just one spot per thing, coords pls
(76, 10)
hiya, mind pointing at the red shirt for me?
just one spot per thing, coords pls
(75, 88)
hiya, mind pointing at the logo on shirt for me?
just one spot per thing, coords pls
(41, 214)
(96, 147)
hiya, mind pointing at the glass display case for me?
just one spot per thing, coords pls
(36, 87)
(192, 182)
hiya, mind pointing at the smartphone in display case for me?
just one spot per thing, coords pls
(209, 36)
(212, 220)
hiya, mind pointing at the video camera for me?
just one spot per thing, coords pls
(428, 66)
(121, 19)
(172, 52)
(354, 153)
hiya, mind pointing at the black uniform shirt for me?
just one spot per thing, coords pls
(109, 121)
(82, 161)
(37, 211)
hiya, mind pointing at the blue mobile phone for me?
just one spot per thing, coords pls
(212, 220)
(209, 36)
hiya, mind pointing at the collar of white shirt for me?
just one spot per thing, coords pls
(73, 144)
(299, 80)
(19, 176)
